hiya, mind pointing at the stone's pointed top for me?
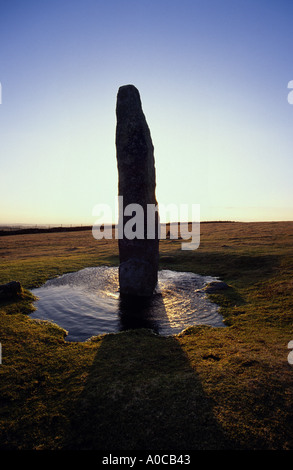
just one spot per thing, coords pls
(128, 89)
(128, 96)
(127, 86)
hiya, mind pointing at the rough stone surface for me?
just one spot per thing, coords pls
(138, 269)
(214, 286)
(10, 290)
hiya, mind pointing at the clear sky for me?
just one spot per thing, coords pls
(213, 78)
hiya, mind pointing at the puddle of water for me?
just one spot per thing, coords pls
(87, 303)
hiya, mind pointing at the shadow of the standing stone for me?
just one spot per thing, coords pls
(141, 393)
(142, 312)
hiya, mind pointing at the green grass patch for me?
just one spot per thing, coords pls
(206, 388)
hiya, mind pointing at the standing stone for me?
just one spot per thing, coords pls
(139, 257)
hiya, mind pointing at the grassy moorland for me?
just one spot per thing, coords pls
(206, 388)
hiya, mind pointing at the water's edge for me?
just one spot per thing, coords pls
(86, 303)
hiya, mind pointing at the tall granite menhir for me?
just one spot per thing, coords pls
(139, 257)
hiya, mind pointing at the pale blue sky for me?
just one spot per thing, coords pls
(213, 79)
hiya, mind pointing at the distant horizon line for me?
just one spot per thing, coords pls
(22, 224)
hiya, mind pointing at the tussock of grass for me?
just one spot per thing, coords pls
(206, 388)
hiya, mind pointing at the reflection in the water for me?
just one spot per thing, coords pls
(138, 312)
(87, 303)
